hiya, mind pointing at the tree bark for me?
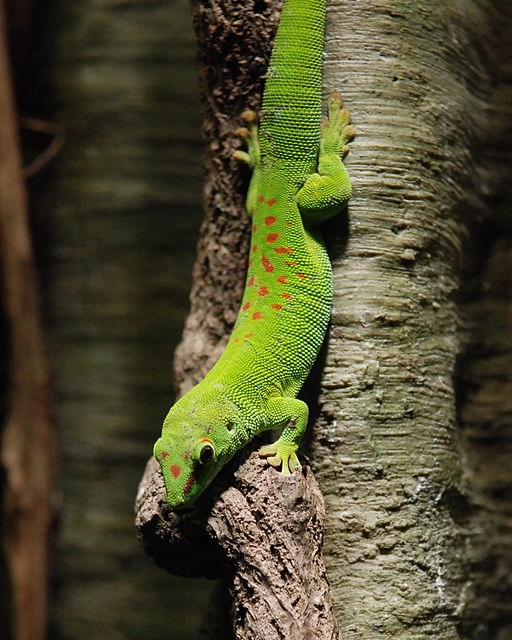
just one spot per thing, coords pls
(263, 534)
(402, 534)
(414, 525)
(27, 446)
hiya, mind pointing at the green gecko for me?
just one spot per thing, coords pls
(298, 181)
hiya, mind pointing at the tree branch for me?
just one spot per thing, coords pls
(269, 528)
(27, 447)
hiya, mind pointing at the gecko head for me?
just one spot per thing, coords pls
(197, 440)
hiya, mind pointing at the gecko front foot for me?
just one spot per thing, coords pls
(281, 455)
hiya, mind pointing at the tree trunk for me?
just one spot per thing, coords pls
(27, 443)
(417, 541)
(406, 534)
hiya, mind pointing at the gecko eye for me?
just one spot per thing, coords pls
(205, 452)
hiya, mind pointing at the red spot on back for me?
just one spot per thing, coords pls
(261, 199)
(291, 263)
(263, 291)
(254, 227)
(283, 250)
(248, 335)
(300, 276)
(271, 202)
(175, 470)
(277, 307)
(246, 306)
(282, 279)
(270, 220)
(251, 282)
(272, 237)
(267, 265)
(257, 315)
(254, 248)
(164, 455)
(286, 296)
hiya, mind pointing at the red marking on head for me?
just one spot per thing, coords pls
(175, 470)
(277, 307)
(248, 335)
(261, 199)
(257, 315)
(190, 483)
(286, 296)
(282, 279)
(263, 291)
(164, 455)
(254, 248)
(267, 265)
(291, 263)
(269, 220)
(272, 237)
(271, 202)
(283, 250)
(246, 306)
(300, 276)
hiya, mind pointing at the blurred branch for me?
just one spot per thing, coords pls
(27, 447)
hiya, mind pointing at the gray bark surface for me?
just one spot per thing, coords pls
(433, 120)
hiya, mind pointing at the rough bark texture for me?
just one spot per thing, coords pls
(27, 444)
(269, 528)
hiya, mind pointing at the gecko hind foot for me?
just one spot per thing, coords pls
(249, 136)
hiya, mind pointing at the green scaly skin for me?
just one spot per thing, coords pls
(298, 181)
